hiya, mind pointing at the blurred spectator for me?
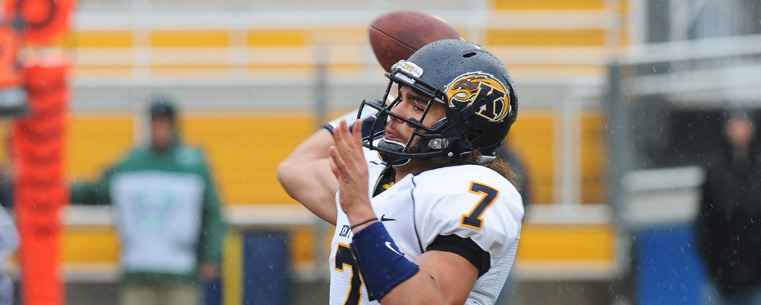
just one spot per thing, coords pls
(507, 296)
(9, 237)
(6, 187)
(728, 232)
(169, 215)
(6, 172)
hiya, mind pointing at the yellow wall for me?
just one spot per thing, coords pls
(91, 245)
(549, 4)
(96, 141)
(570, 5)
(532, 138)
(567, 243)
(100, 39)
(593, 157)
(244, 149)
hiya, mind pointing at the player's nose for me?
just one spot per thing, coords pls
(397, 109)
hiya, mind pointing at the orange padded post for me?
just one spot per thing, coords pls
(37, 147)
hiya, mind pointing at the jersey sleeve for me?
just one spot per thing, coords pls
(486, 210)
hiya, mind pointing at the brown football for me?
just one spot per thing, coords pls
(396, 35)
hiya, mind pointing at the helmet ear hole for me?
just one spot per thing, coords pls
(472, 134)
(469, 55)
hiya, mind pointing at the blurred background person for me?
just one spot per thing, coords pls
(6, 186)
(170, 222)
(9, 235)
(728, 232)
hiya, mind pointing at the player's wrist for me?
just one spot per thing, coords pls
(356, 227)
(382, 264)
(361, 219)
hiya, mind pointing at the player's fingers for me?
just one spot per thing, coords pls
(337, 160)
(355, 157)
(349, 148)
(339, 134)
(357, 132)
(345, 142)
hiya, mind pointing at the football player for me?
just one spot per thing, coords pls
(436, 219)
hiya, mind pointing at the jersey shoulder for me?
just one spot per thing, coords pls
(451, 180)
(469, 201)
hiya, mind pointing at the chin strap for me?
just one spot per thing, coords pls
(390, 158)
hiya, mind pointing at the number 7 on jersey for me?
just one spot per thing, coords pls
(474, 220)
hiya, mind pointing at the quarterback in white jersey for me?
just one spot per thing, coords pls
(436, 219)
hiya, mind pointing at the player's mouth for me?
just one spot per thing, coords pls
(391, 135)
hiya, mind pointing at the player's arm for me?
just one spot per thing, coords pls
(436, 277)
(443, 278)
(305, 175)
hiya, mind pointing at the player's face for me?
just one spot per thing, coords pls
(412, 106)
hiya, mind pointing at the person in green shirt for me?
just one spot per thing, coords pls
(169, 217)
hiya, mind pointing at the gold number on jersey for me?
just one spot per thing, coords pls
(474, 220)
(345, 258)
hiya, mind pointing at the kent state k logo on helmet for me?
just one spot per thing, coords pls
(490, 96)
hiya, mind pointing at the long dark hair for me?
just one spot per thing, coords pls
(501, 167)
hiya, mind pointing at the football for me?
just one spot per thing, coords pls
(396, 35)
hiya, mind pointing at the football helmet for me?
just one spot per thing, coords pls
(476, 88)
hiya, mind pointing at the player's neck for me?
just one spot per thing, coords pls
(413, 167)
(399, 173)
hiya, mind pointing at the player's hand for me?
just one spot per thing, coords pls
(347, 161)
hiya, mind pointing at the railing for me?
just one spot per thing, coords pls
(585, 225)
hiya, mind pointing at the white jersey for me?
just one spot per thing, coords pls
(469, 201)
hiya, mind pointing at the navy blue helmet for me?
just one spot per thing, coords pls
(476, 88)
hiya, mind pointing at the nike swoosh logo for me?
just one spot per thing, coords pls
(388, 245)
(383, 218)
